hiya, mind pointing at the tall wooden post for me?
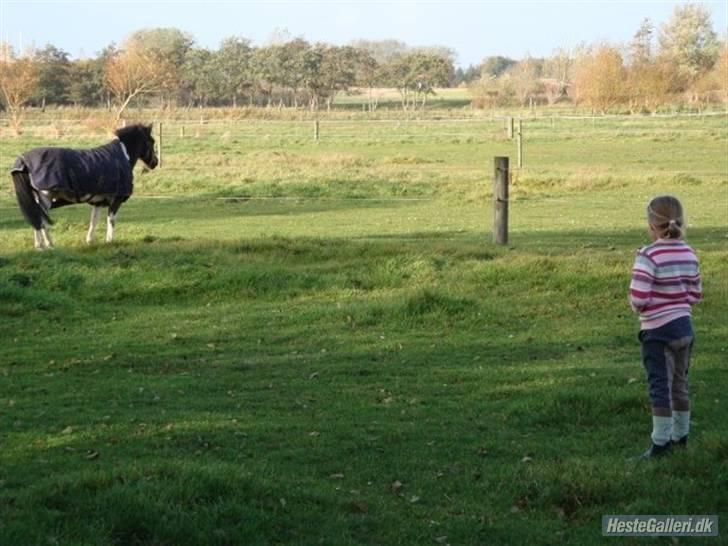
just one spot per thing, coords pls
(159, 146)
(316, 130)
(509, 125)
(500, 201)
(520, 143)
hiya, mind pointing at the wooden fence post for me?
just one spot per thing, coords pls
(509, 125)
(316, 130)
(520, 143)
(500, 201)
(159, 146)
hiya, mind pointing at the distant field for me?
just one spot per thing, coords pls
(459, 96)
(299, 342)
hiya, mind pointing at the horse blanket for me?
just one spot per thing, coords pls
(103, 170)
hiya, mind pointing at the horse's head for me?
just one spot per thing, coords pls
(139, 144)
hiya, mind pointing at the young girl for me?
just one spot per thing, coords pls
(665, 284)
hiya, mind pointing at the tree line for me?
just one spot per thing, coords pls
(682, 62)
(166, 65)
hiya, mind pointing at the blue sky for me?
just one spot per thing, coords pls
(474, 29)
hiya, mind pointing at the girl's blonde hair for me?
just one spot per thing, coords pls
(665, 215)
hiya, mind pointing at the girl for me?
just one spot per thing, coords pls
(665, 284)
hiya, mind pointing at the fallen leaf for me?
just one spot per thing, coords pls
(527, 459)
(91, 455)
(337, 476)
(396, 487)
(441, 540)
(67, 430)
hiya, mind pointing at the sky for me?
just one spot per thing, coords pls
(473, 28)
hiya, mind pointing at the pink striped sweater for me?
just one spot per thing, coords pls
(665, 282)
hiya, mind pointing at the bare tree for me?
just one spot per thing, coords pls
(524, 76)
(18, 82)
(136, 71)
(557, 74)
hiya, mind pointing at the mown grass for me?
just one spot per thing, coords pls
(346, 371)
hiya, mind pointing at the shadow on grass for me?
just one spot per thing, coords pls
(142, 210)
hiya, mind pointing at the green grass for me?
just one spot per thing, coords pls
(335, 370)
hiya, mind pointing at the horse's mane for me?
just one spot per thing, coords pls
(137, 129)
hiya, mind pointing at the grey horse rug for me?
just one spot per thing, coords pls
(103, 170)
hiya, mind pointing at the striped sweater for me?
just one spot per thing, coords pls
(665, 282)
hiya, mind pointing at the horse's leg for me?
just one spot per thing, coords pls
(46, 232)
(95, 211)
(38, 242)
(111, 219)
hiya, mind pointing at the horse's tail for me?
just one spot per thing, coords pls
(31, 209)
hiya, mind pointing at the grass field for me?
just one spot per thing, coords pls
(294, 342)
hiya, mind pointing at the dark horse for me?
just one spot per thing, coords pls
(48, 178)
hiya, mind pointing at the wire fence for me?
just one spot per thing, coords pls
(201, 146)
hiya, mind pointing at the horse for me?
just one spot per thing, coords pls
(49, 178)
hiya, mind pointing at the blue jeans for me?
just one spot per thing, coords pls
(666, 357)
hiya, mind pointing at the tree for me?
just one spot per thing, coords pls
(233, 68)
(496, 66)
(650, 85)
(53, 75)
(135, 71)
(650, 79)
(524, 77)
(599, 78)
(169, 44)
(382, 51)
(311, 74)
(338, 70)
(262, 68)
(466, 75)
(689, 41)
(640, 48)
(416, 75)
(201, 78)
(557, 74)
(85, 82)
(18, 82)
(368, 74)
(713, 86)
(289, 72)
(490, 92)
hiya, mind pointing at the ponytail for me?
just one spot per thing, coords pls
(673, 230)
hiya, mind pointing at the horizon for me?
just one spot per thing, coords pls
(474, 30)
